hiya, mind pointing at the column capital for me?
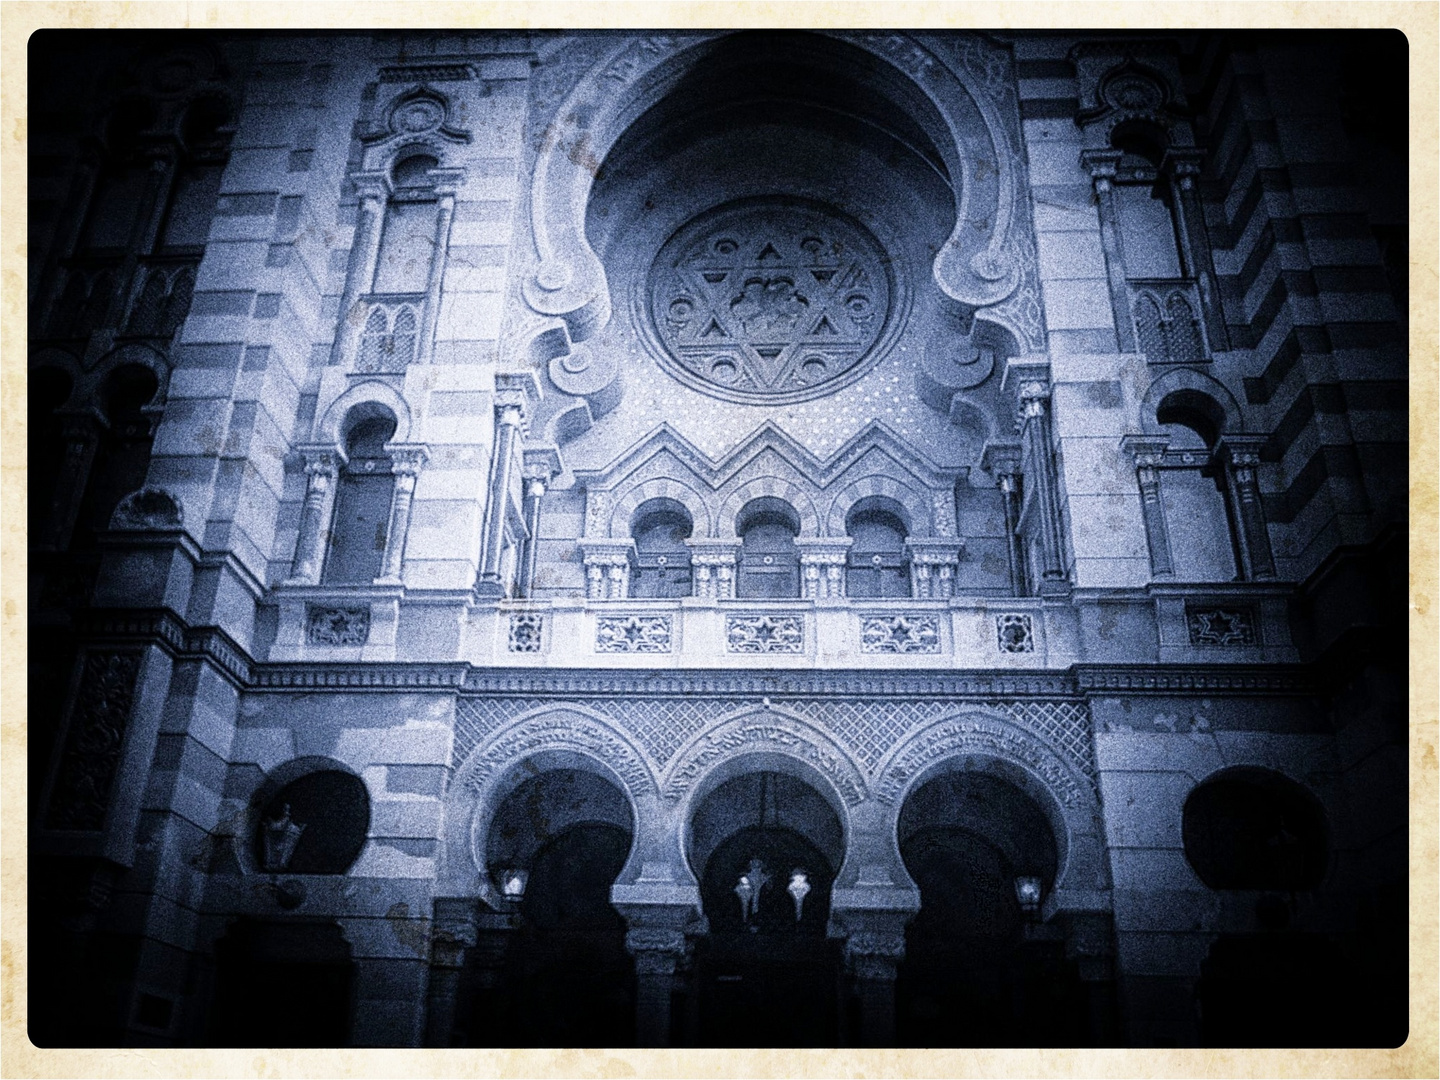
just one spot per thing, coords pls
(1000, 458)
(321, 459)
(1147, 450)
(516, 390)
(407, 459)
(1242, 450)
(934, 550)
(1184, 164)
(542, 463)
(1102, 166)
(372, 185)
(709, 551)
(823, 550)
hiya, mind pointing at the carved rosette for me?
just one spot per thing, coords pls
(770, 300)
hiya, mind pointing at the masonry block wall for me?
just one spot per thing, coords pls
(439, 417)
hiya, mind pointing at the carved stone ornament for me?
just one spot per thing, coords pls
(765, 633)
(900, 634)
(526, 632)
(633, 634)
(1226, 627)
(770, 300)
(93, 744)
(337, 625)
(148, 508)
(1014, 634)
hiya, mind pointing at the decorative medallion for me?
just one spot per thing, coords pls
(771, 300)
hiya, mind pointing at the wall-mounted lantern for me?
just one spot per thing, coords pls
(513, 882)
(799, 888)
(1027, 891)
(280, 837)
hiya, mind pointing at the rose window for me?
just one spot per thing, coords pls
(769, 300)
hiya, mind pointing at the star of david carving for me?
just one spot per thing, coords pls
(769, 300)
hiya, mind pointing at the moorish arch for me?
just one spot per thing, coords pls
(563, 737)
(979, 741)
(944, 91)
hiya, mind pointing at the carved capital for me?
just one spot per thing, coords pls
(407, 459)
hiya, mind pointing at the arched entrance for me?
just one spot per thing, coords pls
(980, 969)
(555, 846)
(766, 848)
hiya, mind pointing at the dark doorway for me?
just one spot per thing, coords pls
(979, 970)
(568, 979)
(767, 978)
(282, 984)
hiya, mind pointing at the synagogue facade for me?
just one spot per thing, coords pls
(840, 538)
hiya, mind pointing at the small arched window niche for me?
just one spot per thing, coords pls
(402, 235)
(316, 824)
(1251, 828)
(662, 569)
(359, 530)
(877, 563)
(769, 560)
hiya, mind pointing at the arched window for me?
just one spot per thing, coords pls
(388, 345)
(662, 558)
(877, 562)
(1255, 829)
(1197, 512)
(769, 562)
(360, 526)
(407, 244)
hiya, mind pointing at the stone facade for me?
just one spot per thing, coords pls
(657, 428)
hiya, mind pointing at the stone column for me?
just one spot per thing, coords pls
(406, 464)
(1102, 165)
(374, 190)
(454, 933)
(1242, 458)
(1149, 453)
(1002, 461)
(713, 564)
(446, 183)
(1043, 482)
(540, 465)
(1090, 942)
(658, 940)
(934, 566)
(874, 947)
(322, 470)
(509, 420)
(822, 567)
(1183, 165)
(81, 432)
(607, 567)
(142, 236)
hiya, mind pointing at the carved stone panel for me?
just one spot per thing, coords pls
(765, 633)
(1226, 627)
(900, 634)
(633, 634)
(92, 748)
(770, 300)
(337, 625)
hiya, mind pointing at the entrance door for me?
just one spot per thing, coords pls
(766, 974)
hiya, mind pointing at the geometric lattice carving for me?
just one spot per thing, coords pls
(337, 625)
(769, 301)
(93, 743)
(633, 634)
(1014, 633)
(869, 727)
(388, 343)
(526, 632)
(1166, 326)
(1229, 626)
(900, 634)
(764, 633)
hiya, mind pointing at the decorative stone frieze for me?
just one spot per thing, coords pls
(765, 633)
(326, 625)
(1014, 633)
(908, 634)
(96, 735)
(527, 632)
(1227, 626)
(633, 634)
